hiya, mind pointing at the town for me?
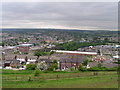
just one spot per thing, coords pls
(59, 50)
(68, 44)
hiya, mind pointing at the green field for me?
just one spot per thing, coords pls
(26, 79)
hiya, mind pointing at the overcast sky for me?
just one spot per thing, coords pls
(69, 15)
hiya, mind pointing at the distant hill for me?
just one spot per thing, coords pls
(64, 32)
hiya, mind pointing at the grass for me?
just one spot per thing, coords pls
(59, 80)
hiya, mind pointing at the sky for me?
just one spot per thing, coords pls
(61, 15)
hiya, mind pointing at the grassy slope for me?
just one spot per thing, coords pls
(109, 80)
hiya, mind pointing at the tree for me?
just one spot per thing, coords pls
(37, 72)
(85, 62)
(74, 45)
(15, 57)
(2, 44)
(55, 61)
(81, 68)
(37, 38)
(26, 59)
(52, 52)
(99, 65)
(42, 65)
(54, 66)
(98, 52)
(38, 54)
(72, 68)
(30, 66)
(41, 53)
(106, 40)
(44, 42)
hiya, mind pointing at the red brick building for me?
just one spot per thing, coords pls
(24, 48)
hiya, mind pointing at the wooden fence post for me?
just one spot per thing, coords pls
(29, 79)
(95, 73)
(57, 76)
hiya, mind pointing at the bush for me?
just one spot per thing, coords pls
(72, 68)
(30, 67)
(102, 69)
(84, 69)
(46, 71)
(112, 69)
(25, 53)
(81, 68)
(86, 62)
(118, 69)
(37, 72)
(42, 65)
(67, 70)
(94, 69)
(50, 69)
(99, 65)
(17, 52)
(55, 66)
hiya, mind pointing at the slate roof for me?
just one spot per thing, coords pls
(12, 56)
(104, 64)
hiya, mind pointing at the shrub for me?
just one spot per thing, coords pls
(37, 72)
(102, 69)
(85, 62)
(84, 69)
(17, 52)
(72, 68)
(94, 69)
(118, 69)
(55, 66)
(99, 65)
(112, 69)
(25, 53)
(42, 65)
(46, 71)
(67, 70)
(50, 69)
(81, 68)
(30, 66)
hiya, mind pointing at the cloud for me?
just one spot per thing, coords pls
(79, 15)
(60, 0)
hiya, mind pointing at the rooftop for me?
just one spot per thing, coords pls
(75, 52)
(25, 45)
